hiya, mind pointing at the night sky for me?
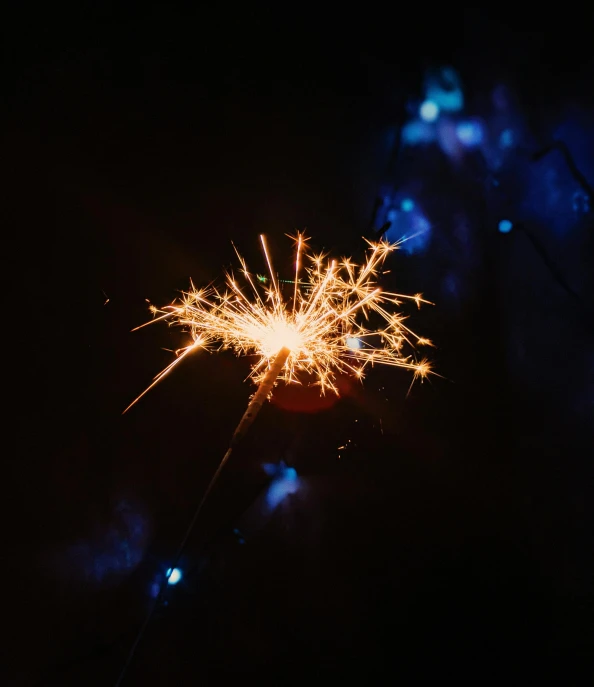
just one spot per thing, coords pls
(453, 537)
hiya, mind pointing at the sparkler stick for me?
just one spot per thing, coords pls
(254, 407)
(263, 392)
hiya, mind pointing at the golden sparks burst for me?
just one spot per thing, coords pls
(336, 321)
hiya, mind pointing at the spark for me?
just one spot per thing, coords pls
(330, 305)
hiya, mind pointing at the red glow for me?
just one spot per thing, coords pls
(300, 398)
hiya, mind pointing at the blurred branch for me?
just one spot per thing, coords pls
(569, 161)
(553, 269)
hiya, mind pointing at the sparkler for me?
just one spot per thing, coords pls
(336, 304)
(312, 331)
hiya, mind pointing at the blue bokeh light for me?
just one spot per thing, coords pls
(353, 343)
(443, 86)
(417, 131)
(409, 227)
(173, 576)
(506, 138)
(285, 482)
(448, 140)
(581, 202)
(411, 230)
(429, 111)
(505, 226)
(469, 133)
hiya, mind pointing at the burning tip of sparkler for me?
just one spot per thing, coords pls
(336, 320)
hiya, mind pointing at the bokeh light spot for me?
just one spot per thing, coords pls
(469, 133)
(285, 482)
(506, 138)
(173, 576)
(581, 202)
(417, 131)
(505, 226)
(429, 111)
(443, 86)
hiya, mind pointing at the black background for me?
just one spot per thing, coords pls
(137, 144)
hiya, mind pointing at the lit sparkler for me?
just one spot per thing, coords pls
(311, 328)
(311, 332)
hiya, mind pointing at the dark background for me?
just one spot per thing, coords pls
(454, 537)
